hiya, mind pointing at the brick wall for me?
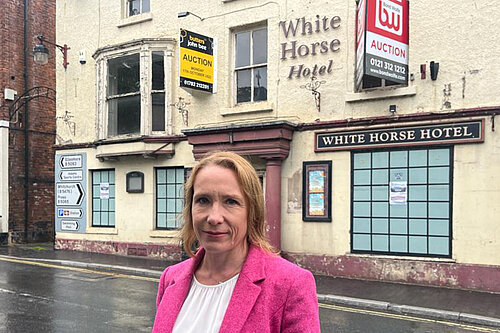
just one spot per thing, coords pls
(41, 119)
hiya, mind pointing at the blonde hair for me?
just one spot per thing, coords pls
(251, 188)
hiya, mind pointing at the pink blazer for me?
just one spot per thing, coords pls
(271, 295)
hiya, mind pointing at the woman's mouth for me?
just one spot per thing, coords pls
(215, 233)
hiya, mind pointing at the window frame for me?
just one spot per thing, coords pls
(145, 49)
(251, 29)
(93, 197)
(178, 221)
(408, 234)
(126, 8)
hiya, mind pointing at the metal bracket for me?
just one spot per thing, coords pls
(181, 107)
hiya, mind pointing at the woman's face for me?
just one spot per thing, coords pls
(219, 211)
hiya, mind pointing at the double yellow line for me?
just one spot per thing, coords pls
(407, 318)
(77, 269)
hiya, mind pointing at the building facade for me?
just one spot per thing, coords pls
(27, 124)
(372, 126)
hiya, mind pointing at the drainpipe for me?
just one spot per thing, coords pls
(26, 123)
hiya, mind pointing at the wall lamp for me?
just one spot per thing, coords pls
(184, 14)
(41, 53)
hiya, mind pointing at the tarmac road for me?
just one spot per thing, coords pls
(38, 297)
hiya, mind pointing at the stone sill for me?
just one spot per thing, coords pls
(379, 94)
(164, 234)
(247, 108)
(136, 19)
(101, 231)
(375, 256)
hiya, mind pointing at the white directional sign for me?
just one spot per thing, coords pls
(69, 212)
(71, 161)
(69, 194)
(71, 175)
(69, 225)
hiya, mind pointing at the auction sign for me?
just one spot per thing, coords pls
(198, 61)
(382, 37)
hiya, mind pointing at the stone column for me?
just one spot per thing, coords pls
(273, 202)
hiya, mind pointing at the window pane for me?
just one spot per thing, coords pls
(123, 75)
(380, 209)
(124, 115)
(417, 192)
(362, 161)
(381, 160)
(161, 220)
(418, 158)
(158, 72)
(362, 209)
(439, 227)
(380, 243)
(399, 244)
(161, 176)
(260, 84)
(418, 244)
(362, 193)
(362, 177)
(243, 85)
(145, 6)
(439, 209)
(398, 211)
(439, 157)
(361, 225)
(418, 176)
(418, 209)
(418, 227)
(439, 192)
(399, 159)
(398, 226)
(439, 245)
(133, 7)
(399, 175)
(242, 49)
(380, 193)
(361, 242)
(161, 192)
(379, 177)
(158, 109)
(260, 46)
(380, 226)
(439, 175)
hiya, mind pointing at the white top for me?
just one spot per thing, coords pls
(204, 307)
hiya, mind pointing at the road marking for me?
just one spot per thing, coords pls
(76, 269)
(406, 317)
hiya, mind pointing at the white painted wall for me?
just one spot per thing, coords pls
(4, 176)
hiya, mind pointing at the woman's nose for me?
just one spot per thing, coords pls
(215, 214)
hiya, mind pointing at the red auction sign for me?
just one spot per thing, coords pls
(382, 40)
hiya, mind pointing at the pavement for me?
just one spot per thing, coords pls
(464, 306)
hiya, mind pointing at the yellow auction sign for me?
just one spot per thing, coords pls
(198, 61)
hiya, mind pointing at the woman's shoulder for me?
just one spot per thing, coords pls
(279, 267)
(177, 269)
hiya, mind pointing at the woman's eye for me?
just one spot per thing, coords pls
(232, 202)
(201, 200)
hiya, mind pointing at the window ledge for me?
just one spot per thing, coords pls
(409, 258)
(144, 17)
(378, 94)
(247, 108)
(102, 231)
(164, 234)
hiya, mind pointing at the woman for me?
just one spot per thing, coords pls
(235, 282)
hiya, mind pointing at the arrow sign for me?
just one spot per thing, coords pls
(71, 161)
(71, 175)
(69, 225)
(69, 212)
(69, 194)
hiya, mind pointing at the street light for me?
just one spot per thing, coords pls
(184, 14)
(41, 53)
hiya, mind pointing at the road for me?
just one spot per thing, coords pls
(37, 297)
